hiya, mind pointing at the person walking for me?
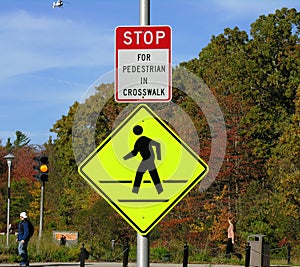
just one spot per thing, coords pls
(230, 241)
(23, 238)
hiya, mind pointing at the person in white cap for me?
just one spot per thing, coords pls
(23, 239)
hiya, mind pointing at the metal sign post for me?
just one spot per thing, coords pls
(144, 12)
(143, 241)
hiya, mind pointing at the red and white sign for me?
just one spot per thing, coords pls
(143, 69)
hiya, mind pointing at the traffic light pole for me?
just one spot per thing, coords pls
(143, 241)
(42, 176)
(42, 209)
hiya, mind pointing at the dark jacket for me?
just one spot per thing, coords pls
(23, 230)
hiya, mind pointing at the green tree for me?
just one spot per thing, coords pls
(284, 170)
(261, 74)
(66, 184)
(21, 140)
(272, 80)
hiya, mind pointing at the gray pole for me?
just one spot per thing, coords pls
(8, 204)
(143, 241)
(41, 209)
(142, 251)
(9, 159)
(144, 12)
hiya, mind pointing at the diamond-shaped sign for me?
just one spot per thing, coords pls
(143, 169)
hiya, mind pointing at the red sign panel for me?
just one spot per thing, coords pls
(143, 37)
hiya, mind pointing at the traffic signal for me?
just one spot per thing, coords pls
(42, 167)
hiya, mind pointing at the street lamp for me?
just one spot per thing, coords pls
(9, 159)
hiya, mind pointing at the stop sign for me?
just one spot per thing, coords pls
(143, 64)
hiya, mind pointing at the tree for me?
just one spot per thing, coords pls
(223, 65)
(284, 171)
(66, 183)
(22, 140)
(272, 79)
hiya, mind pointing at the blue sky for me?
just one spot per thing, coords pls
(50, 57)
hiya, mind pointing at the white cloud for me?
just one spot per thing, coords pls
(32, 43)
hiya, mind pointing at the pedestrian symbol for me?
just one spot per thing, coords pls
(144, 146)
(143, 169)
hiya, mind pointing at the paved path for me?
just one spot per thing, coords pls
(120, 264)
(112, 264)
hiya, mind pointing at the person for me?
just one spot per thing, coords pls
(230, 238)
(63, 240)
(23, 239)
(144, 146)
(283, 242)
(230, 241)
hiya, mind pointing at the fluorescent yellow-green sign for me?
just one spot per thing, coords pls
(143, 169)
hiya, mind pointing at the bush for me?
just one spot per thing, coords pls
(159, 254)
(39, 250)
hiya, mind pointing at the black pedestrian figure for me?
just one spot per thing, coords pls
(144, 146)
